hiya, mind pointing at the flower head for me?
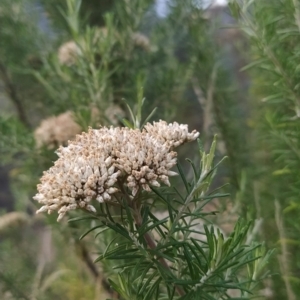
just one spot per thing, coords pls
(56, 130)
(68, 53)
(140, 40)
(174, 134)
(95, 164)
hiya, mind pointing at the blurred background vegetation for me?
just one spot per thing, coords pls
(67, 65)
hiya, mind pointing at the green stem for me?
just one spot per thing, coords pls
(12, 92)
(135, 205)
(152, 245)
(183, 208)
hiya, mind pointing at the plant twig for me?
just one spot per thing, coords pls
(257, 226)
(13, 286)
(13, 95)
(206, 104)
(84, 254)
(272, 55)
(152, 245)
(283, 258)
(183, 208)
(297, 13)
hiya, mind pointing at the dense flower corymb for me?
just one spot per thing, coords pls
(91, 165)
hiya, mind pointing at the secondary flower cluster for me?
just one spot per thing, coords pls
(56, 130)
(95, 164)
(69, 52)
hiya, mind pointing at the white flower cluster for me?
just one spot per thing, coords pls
(90, 166)
(173, 134)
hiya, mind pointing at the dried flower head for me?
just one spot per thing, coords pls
(68, 52)
(113, 112)
(12, 220)
(140, 40)
(56, 130)
(95, 163)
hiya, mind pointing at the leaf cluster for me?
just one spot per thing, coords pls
(177, 255)
(273, 31)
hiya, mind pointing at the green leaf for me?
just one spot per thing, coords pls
(107, 252)
(154, 287)
(198, 247)
(101, 231)
(196, 174)
(126, 123)
(254, 64)
(162, 234)
(147, 282)
(143, 275)
(90, 230)
(144, 228)
(181, 173)
(84, 218)
(188, 258)
(119, 229)
(149, 117)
